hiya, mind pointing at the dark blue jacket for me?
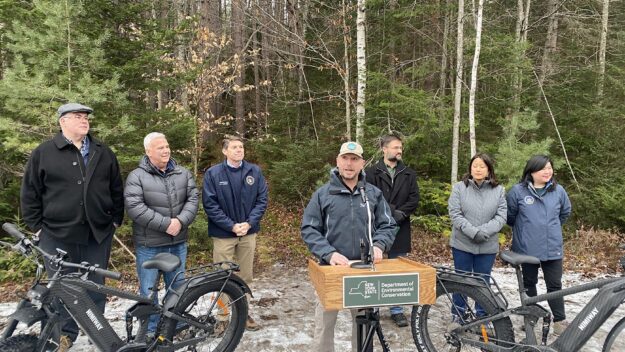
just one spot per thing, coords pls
(220, 205)
(537, 221)
(335, 220)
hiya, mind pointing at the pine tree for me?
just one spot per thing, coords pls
(53, 63)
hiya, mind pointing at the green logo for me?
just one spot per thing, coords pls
(380, 290)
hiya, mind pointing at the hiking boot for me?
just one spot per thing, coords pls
(560, 326)
(65, 343)
(399, 319)
(251, 325)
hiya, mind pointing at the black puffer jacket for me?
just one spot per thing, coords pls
(153, 199)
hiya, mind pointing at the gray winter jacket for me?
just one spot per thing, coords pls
(153, 198)
(474, 208)
(335, 220)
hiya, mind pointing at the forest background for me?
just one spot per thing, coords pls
(297, 78)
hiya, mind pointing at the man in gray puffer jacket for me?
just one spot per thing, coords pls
(162, 201)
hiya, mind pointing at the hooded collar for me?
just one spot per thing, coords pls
(145, 164)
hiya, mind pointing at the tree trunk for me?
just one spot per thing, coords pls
(520, 38)
(602, 46)
(550, 43)
(476, 60)
(237, 33)
(257, 98)
(346, 74)
(458, 93)
(361, 61)
(442, 78)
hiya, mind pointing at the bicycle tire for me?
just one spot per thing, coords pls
(615, 341)
(201, 304)
(429, 323)
(19, 343)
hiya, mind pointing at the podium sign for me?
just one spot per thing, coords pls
(395, 281)
(380, 290)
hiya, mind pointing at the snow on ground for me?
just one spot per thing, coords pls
(284, 302)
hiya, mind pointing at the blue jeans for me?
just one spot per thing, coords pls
(396, 309)
(147, 277)
(477, 263)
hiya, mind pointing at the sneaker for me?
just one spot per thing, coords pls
(399, 319)
(251, 325)
(560, 326)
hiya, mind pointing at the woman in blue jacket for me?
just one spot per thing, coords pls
(537, 209)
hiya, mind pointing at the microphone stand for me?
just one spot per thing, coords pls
(366, 261)
(368, 323)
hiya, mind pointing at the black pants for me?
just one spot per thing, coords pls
(94, 253)
(552, 270)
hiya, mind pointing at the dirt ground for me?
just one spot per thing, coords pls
(284, 302)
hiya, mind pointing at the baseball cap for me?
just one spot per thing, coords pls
(351, 148)
(73, 107)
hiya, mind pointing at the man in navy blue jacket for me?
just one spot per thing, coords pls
(235, 199)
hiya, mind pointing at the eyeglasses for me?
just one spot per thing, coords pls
(78, 116)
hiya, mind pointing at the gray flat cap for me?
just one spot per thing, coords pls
(73, 107)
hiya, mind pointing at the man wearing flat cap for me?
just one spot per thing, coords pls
(334, 223)
(72, 196)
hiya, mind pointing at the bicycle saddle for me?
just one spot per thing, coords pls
(165, 262)
(518, 259)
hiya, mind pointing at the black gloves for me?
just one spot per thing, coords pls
(399, 216)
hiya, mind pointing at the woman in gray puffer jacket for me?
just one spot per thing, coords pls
(477, 209)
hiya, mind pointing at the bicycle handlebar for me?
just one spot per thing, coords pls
(12, 230)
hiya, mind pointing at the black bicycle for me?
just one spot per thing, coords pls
(206, 311)
(484, 317)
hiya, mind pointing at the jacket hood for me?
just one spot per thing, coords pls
(146, 165)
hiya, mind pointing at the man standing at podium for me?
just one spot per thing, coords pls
(334, 223)
(398, 184)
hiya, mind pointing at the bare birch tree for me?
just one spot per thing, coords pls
(361, 62)
(523, 8)
(458, 93)
(473, 87)
(602, 48)
(551, 42)
(346, 72)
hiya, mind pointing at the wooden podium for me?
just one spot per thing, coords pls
(329, 281)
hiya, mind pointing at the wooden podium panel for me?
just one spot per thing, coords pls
(328, 280)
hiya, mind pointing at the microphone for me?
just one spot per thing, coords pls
(363, 193)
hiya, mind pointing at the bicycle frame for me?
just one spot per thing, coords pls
(610, 296)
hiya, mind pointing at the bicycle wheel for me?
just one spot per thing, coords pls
(223, 314)
(616, 338)
(430, 323)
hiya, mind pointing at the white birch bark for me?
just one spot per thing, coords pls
(602, 48)
(458, 93)
(348, 108)
(473, 87)
(361, 61)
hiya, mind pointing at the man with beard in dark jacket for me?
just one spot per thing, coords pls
(162, 201)
(72, 198)
(399, 187)
(334, 223)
